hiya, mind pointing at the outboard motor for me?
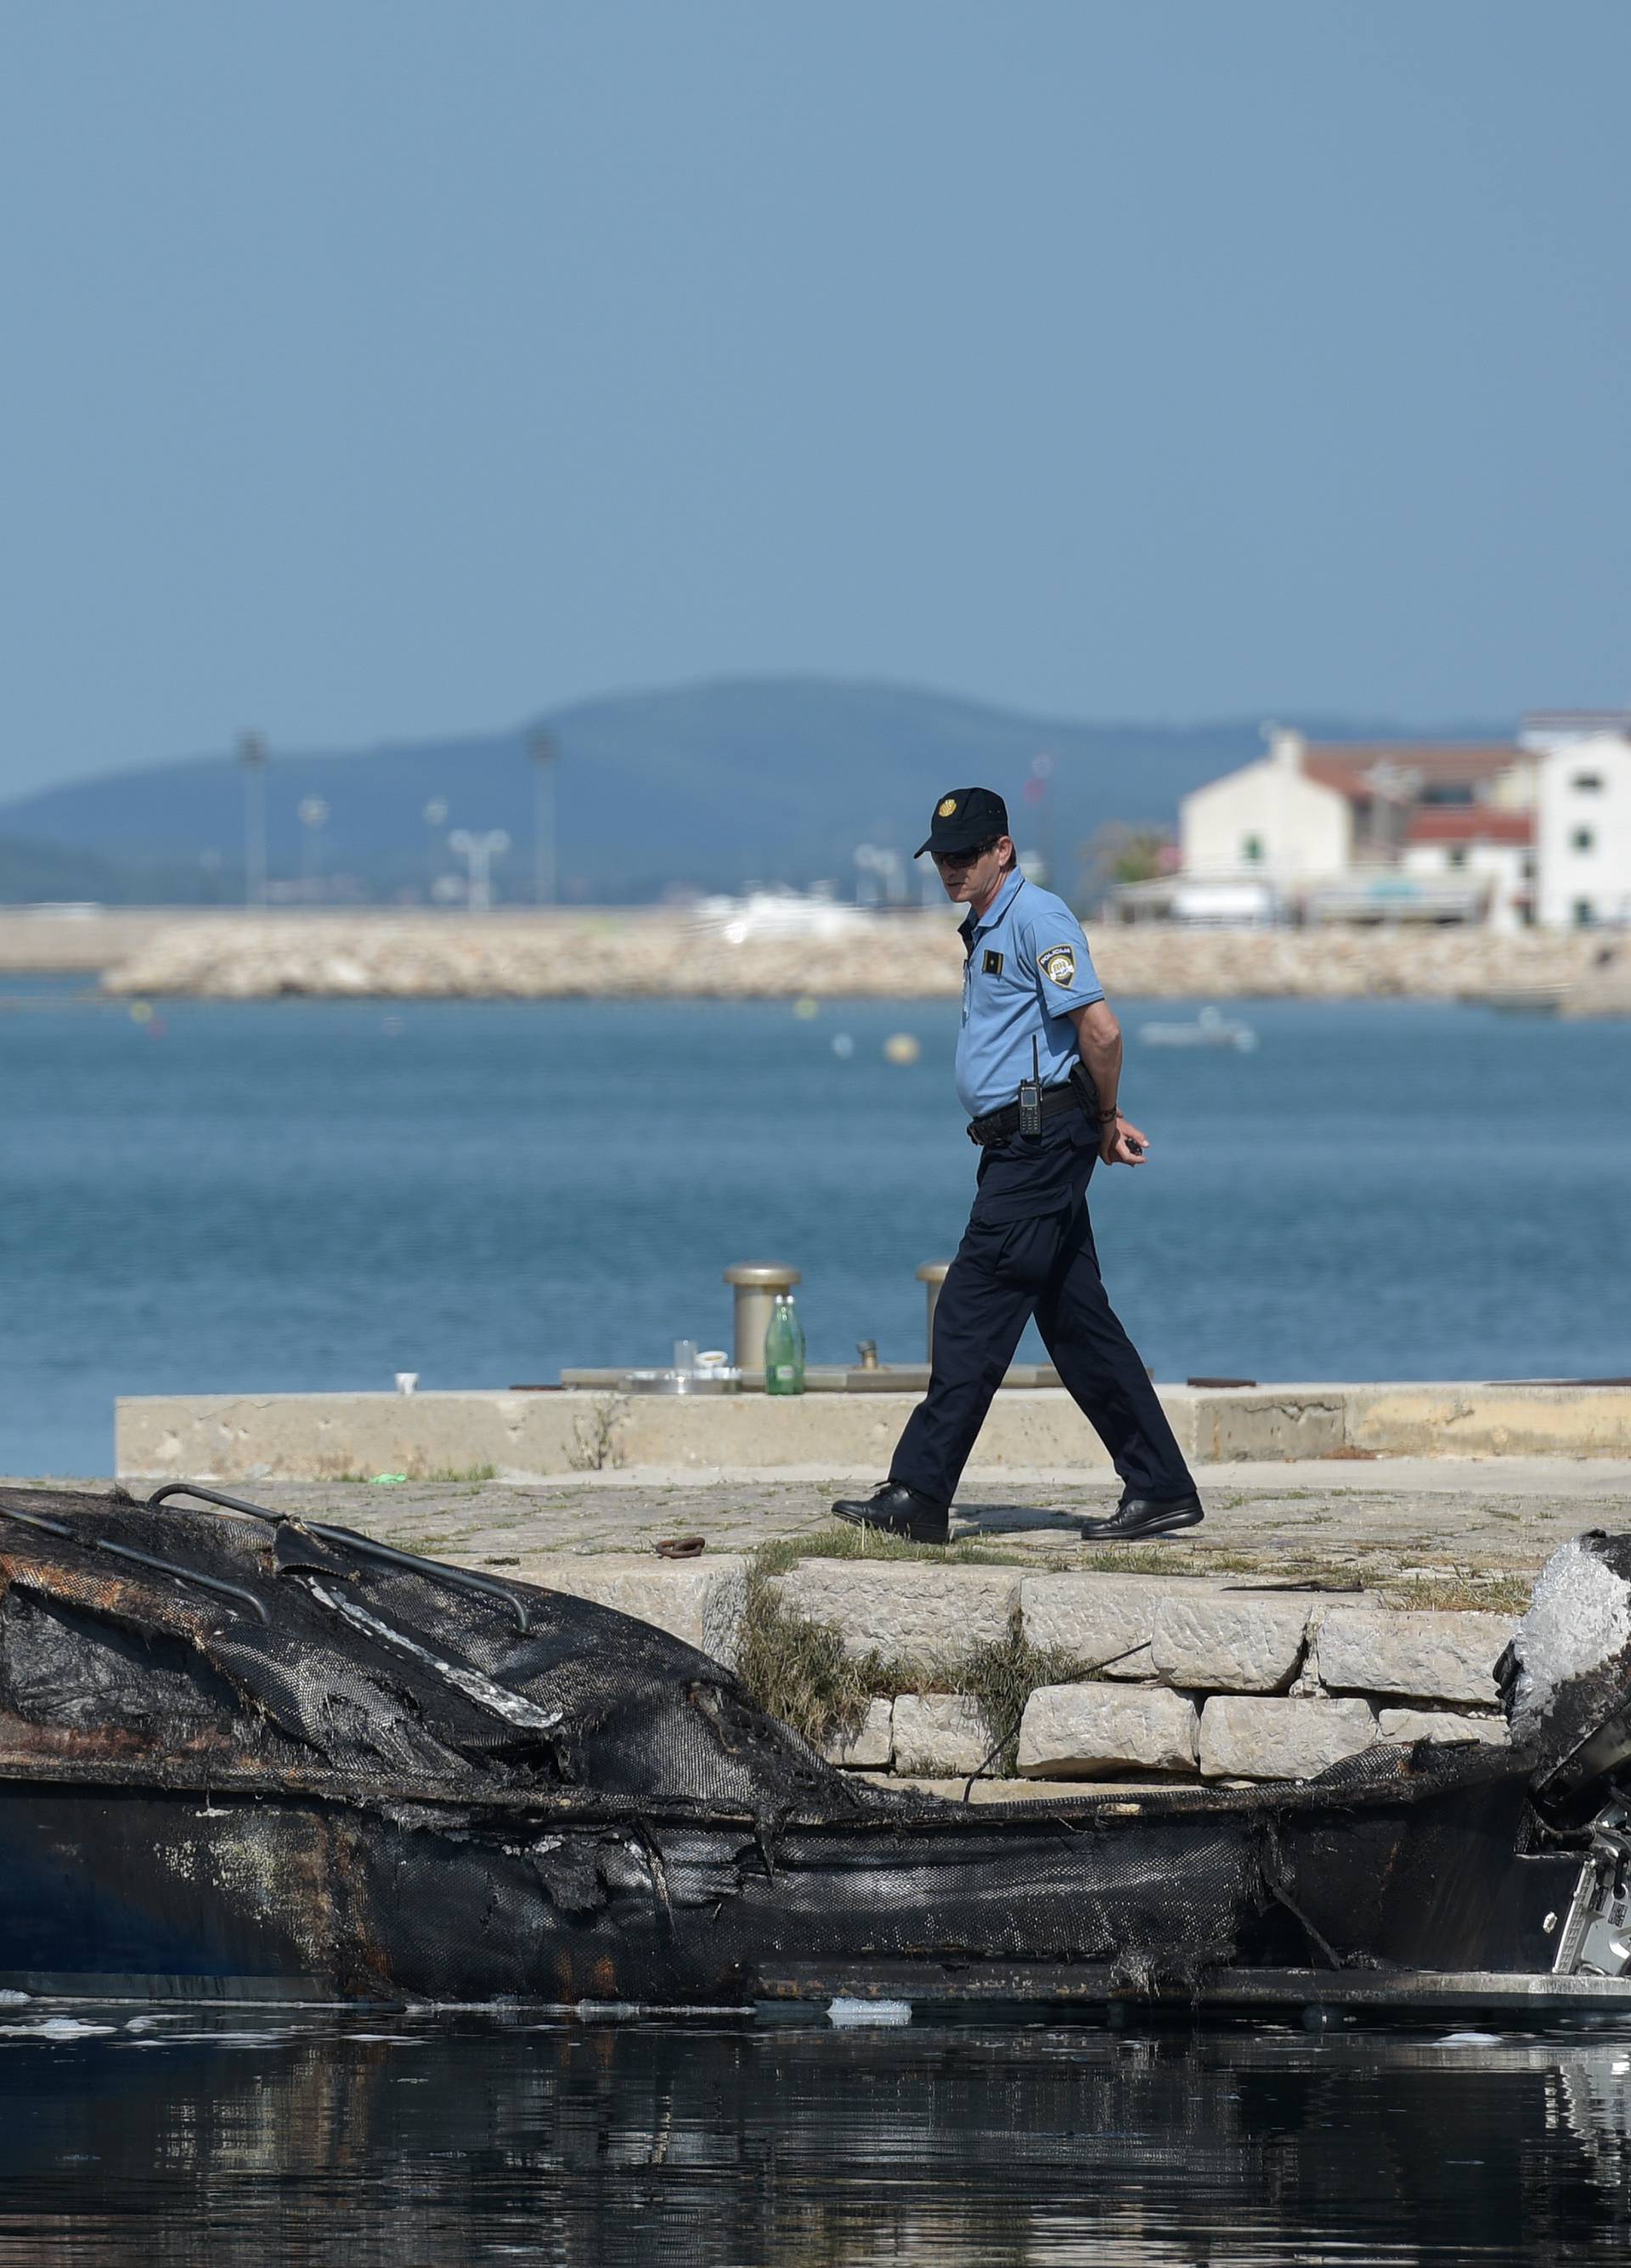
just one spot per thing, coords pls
(1565, 1685)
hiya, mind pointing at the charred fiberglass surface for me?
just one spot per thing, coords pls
(242, 1756)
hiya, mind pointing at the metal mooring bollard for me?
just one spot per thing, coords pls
(932, 1275)
(756, 1283)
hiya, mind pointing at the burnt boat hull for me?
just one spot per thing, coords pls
(245, 1757)
(108, 1891)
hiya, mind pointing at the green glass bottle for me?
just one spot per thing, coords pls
(784, 1348)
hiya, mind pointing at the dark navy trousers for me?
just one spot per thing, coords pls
(1029, 1249)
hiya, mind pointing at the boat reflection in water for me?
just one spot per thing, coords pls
(450, 2140)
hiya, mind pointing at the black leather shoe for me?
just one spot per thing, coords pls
(898, 1510)
(1137, 1516)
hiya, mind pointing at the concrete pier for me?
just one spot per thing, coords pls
(526, 1435)
(1325, 1604)
(1366, 1547)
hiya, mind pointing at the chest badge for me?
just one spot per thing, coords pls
(992, 965)
(1058, 965)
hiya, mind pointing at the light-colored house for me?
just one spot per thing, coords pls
(1388, 782)
(1322, 829)
(1582, 847)
(1268, 823)
(1488, 848)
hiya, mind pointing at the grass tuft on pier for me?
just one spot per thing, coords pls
(1000, 1678)
(798, 1669)
(795, 1668)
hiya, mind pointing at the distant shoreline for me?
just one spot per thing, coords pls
(658, 952)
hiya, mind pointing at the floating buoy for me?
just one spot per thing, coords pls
(805, 1008)
(901, 1048)
(843, 1046)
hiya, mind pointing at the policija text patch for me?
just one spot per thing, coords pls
(1058, 965)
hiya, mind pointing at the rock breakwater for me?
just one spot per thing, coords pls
(640, 953)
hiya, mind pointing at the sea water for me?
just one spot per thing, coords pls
(303, 1195)
(267, 1197)
(440, 2139)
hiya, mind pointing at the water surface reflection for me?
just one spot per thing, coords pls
(453, 2139)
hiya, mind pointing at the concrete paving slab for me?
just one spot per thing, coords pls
(1432, 1526)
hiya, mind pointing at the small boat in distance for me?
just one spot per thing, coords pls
(1211, 1029)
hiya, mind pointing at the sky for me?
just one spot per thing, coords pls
(381, 368)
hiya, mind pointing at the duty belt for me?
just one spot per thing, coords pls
(997, 1125)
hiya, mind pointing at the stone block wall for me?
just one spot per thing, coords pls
(1190, 1678)
(1183, 1678)
(1085, 1731)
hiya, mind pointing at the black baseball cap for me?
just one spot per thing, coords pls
(965, 819)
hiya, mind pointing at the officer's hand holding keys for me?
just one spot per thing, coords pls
(1120, 1143)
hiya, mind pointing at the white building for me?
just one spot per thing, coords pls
(1351, 831)
(1269, 823)
(1488, 850)
(1583, 835)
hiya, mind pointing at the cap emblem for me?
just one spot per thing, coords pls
(946, 809)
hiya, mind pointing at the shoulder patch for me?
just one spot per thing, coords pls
(1058, 964)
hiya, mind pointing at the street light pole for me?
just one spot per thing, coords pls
(478, 852)
(252, 756)
(545, 755)
(435, 817)
(314, 818)
(1042, 771)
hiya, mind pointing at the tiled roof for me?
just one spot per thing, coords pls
(1343, 764)
(1470, 822)
(1606, 720)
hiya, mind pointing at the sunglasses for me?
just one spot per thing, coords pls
(965, 858)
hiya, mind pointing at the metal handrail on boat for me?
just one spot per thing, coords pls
(432, 1570)
(144, 1559)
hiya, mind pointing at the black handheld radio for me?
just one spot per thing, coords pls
(1030, 1096)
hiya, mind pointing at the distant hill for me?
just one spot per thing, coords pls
(33, 872)
(705, 786)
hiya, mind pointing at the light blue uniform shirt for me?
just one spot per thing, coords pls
(1027, 970)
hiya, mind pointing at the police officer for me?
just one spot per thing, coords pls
(1038, 1062)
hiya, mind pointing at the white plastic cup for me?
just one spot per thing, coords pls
(406, 1380)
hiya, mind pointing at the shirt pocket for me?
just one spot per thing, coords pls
(1010, 987)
